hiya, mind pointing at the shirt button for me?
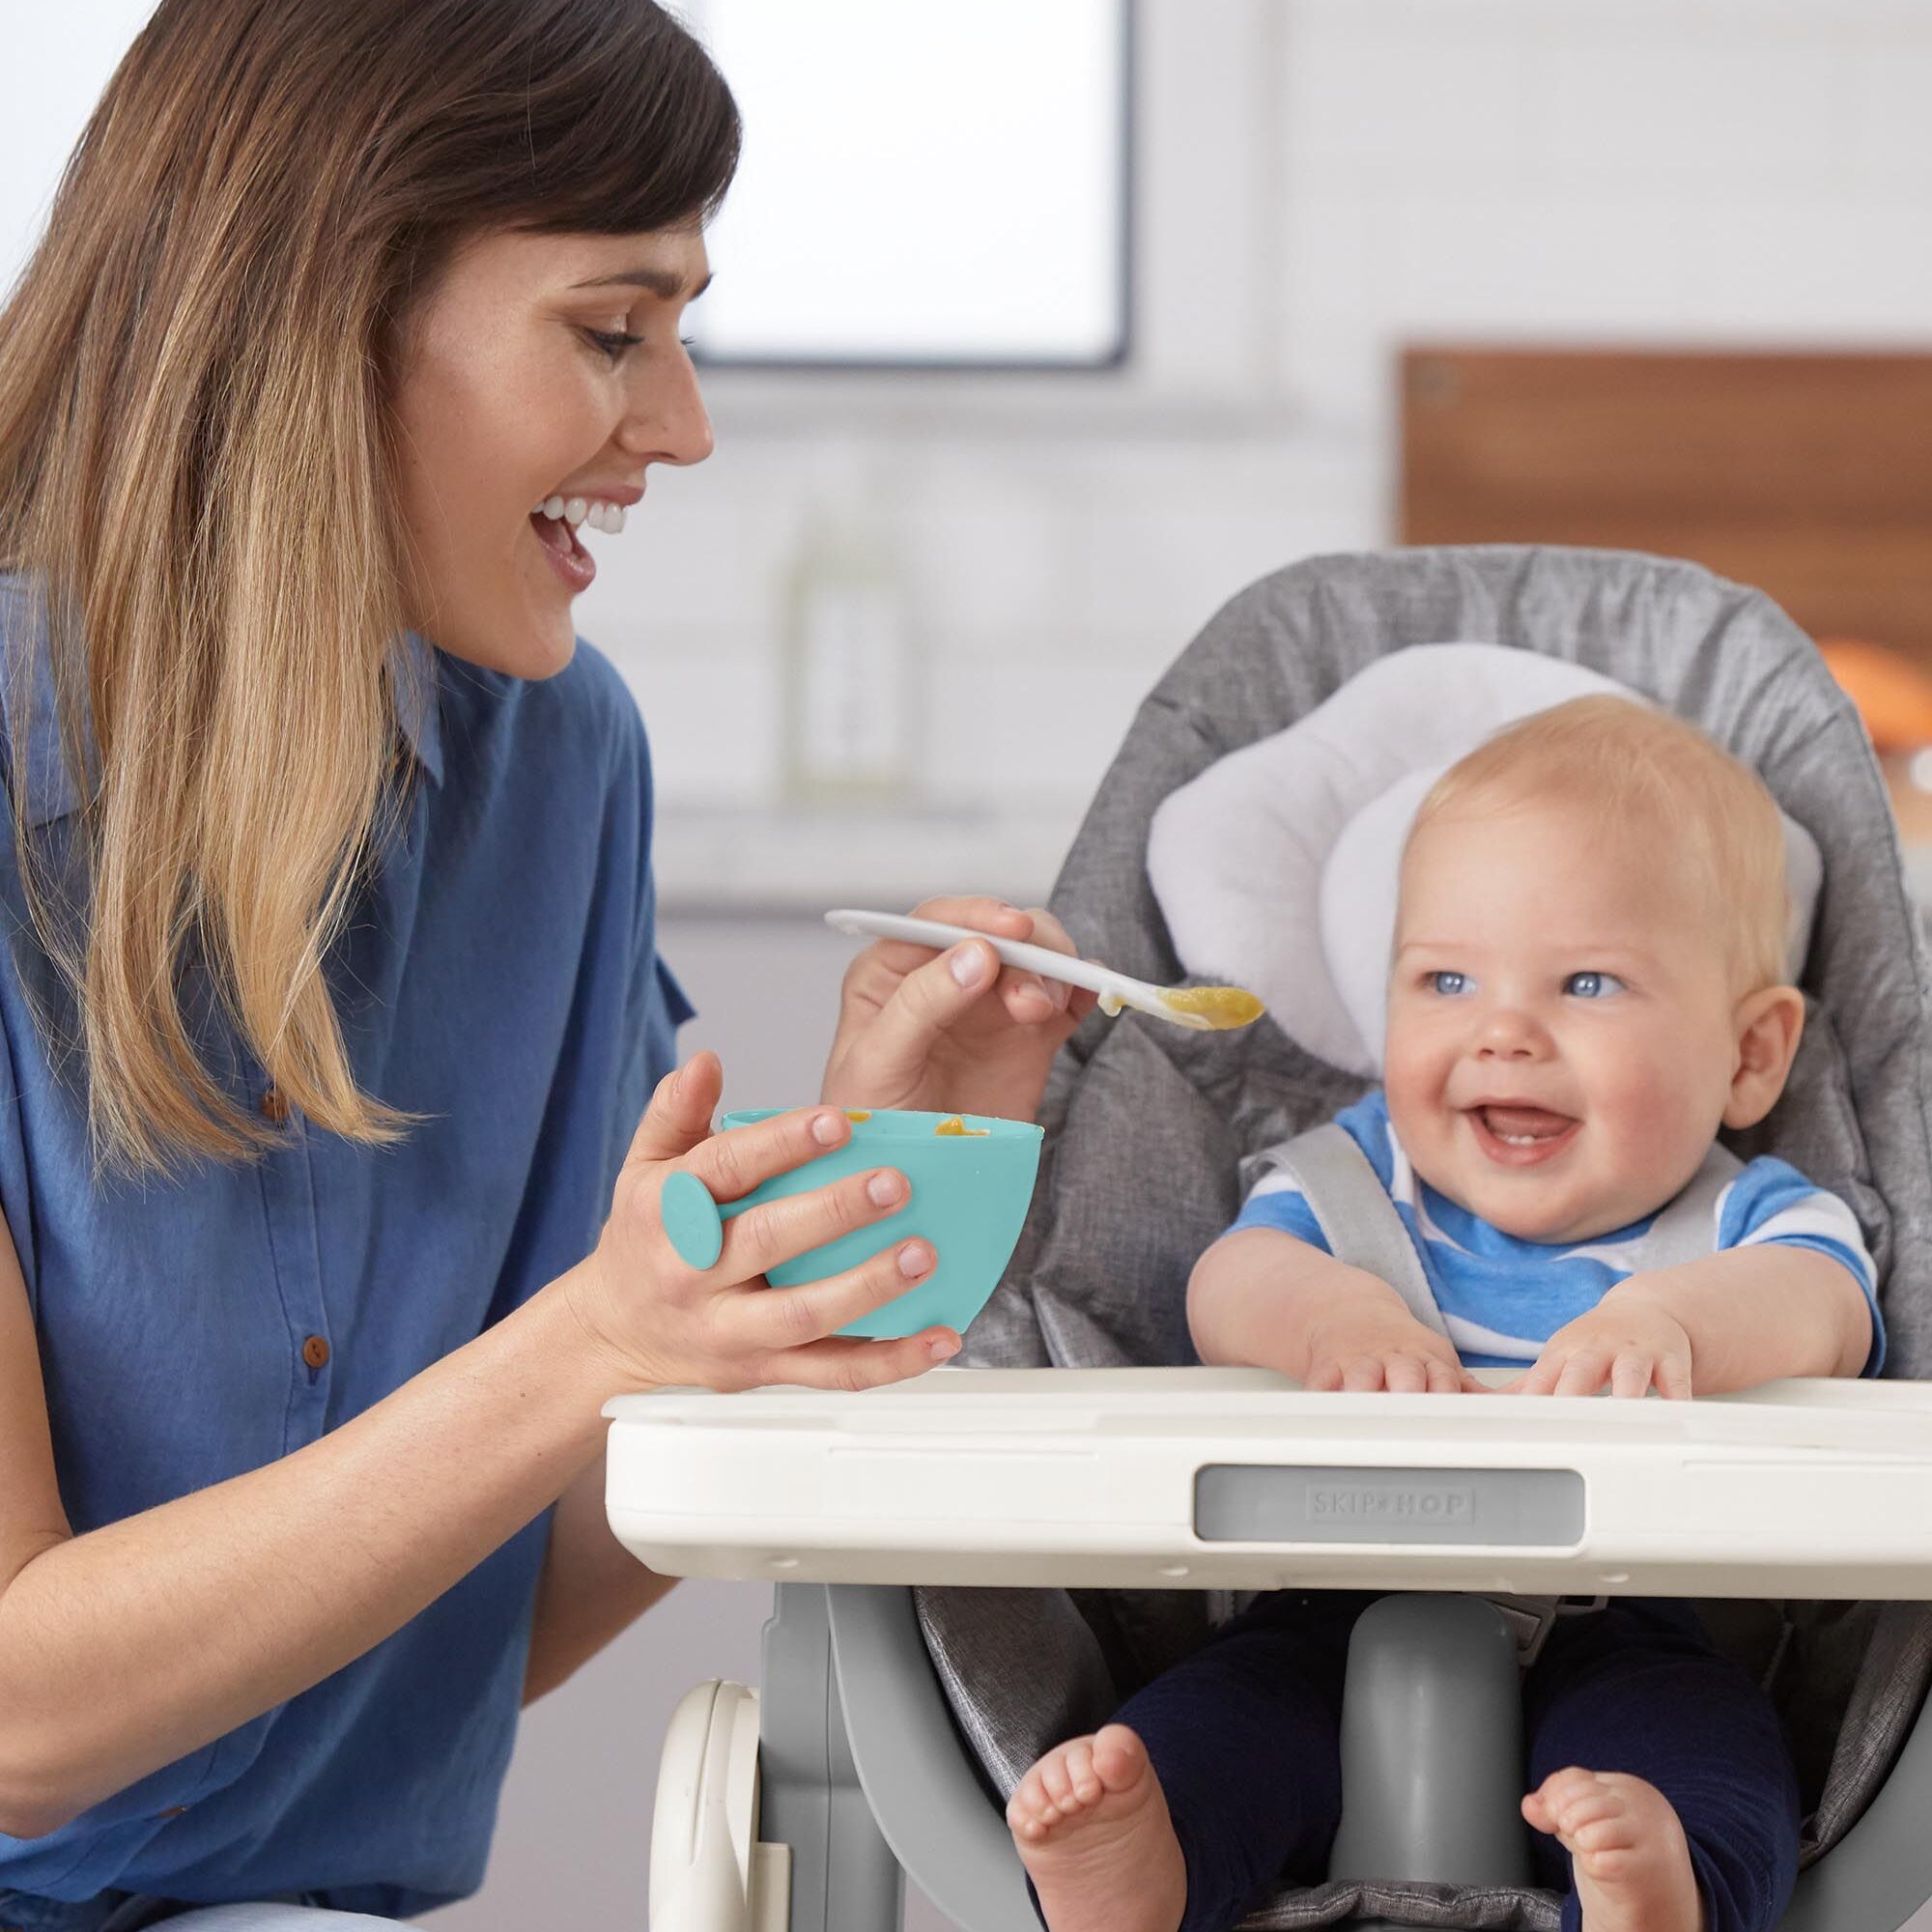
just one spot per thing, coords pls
(315, 1353)
(274, 1105)
(172, 1811)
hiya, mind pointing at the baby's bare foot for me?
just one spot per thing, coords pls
(1092, 1831)
(1626, 1851)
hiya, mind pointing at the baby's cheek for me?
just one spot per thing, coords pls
(1660, 1134)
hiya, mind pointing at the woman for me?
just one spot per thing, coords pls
(330, 1000)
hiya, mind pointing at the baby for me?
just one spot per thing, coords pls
(1587, 984)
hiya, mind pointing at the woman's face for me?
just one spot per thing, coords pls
(542, 367)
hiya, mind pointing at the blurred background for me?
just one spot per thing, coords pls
(1043, 327)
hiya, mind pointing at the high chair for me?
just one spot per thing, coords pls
(925, 1539)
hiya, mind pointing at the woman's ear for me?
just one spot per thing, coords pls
(1768, 1026)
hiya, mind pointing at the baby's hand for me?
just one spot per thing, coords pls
(1378, 1347)
(1627, 1341)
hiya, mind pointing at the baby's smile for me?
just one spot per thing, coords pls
(1516, 1134)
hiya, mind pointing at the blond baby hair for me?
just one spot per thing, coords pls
(1636, 767)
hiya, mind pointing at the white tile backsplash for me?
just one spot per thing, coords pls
(1325, 181)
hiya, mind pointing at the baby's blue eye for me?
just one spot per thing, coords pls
(1448, 984)
(1593, 985)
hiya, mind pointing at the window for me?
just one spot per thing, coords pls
(923, 185)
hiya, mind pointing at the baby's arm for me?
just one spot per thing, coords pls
(1730, 1320)
(1261, 1297)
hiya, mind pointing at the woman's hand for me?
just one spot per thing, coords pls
(953, 1031)
(662, 1322)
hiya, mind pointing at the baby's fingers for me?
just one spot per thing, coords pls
(1631, 1373)
(1584, 1372)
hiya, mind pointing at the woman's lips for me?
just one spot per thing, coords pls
(568, 557)
(1519, 1136)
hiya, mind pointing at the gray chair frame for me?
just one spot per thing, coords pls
(866, 1778)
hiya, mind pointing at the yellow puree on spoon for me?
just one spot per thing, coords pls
(1221, 1007)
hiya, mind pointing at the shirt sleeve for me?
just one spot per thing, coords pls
(1772, 1205)
(1275, 1202)
(656, 1007)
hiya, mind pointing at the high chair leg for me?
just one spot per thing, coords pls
(843, 1876)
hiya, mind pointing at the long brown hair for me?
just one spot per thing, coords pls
(196, 476)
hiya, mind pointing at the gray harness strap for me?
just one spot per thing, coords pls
(1360, 1224)
(1354, 1212)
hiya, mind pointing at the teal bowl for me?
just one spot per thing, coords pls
(970, 1194)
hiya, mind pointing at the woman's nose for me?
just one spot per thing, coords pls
(669, 422)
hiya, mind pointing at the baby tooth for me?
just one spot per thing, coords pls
(576, 510)
(618, 516)
(552, 508)
(599, 518)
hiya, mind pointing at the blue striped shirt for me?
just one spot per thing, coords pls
(1502, 1297)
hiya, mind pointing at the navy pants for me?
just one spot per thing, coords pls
(1244, 1736)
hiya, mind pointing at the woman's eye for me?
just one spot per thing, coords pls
(613, 342)
(1593, 985)
(1448, 984)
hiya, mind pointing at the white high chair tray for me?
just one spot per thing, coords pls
(1237, 1478)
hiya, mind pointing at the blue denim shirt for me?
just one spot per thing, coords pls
(499, 977)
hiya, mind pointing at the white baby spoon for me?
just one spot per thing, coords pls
(1204, 1009)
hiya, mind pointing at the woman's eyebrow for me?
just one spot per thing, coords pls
(662, 282)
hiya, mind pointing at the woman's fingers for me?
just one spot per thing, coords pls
(761, 1320)
(679, 1113)
(1028, 997)
(760, 1238)
(732, 1163)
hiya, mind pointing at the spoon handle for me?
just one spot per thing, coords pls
(1041, 960)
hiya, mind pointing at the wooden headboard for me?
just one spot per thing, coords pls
(1807, 476)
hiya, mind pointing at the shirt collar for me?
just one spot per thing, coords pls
(419, 702)
(52, 791)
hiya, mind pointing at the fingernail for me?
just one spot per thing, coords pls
(943, 1347)
(883, 1189)
(969, 964)
(825, 1128)
(914, 1259)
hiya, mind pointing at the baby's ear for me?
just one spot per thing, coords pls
(1768, 1026)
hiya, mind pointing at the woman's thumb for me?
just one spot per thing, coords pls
(680, 1112)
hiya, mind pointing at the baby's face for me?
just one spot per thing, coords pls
(1562, 1028)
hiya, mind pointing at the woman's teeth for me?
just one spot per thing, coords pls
(609, 518)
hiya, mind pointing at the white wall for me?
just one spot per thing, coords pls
(1325, 180)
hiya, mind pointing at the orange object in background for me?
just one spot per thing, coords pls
(1894, 696)
(1892, 693)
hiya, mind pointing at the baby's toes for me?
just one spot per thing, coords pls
(1570, 1802)
(1118, 1757)
(1032, 1805)
(1068, 1771)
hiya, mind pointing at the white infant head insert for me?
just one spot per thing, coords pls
(1277, 867)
